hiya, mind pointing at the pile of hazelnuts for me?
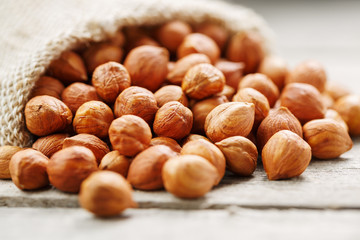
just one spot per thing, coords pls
(174, 106)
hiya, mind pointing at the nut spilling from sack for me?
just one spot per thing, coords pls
(173, 107)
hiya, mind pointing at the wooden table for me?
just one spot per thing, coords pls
(323, 203)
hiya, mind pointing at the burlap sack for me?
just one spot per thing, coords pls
(33, 32)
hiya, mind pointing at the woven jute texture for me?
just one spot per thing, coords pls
(34, 32)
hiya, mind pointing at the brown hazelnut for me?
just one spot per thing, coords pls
(233, 72)
(136, 101)
(336, 90)
(28, 169)
(230, 119)
(228, 92)
(47, 86)
(145, 169)
(240, 153)
(192, 137)
(68, 167)
(105, 194)
(93, 117)
(50, 144)
(327, 138)
(171, 34)
(210, 152)
(263, 84)
(181, 66)
(216, 32)
(95, 144)
(101, 53)
(275, 68)
(311, 72)
(349, 109)
(334, 115)
(202, 108)
(129, 134)
(303, 100)
(170, 93)
(285, 155)
(77, 94)
(189, 176)
(170, 66)
(246, 47)
(203, 80)
(327, 100)
(147, 66)
(68, 68)
(109, 80)
(114, 161)
(6, 152)
(199, 43)
(45, 115)
(173, 120)
(169, 142)
(144, 41)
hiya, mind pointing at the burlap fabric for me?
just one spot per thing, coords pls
(33, 32)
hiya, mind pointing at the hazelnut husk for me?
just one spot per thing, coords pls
(285, 155)
(275, 68)
(129, 134)
(93, 117)
(189, 176)
(47, 86)
(349, 109)
(68, 167)
(106, 194)
(147, 66)
(114, 161)
(233, 71)
(327, 138)
(28, 169)
(170, 93)
(45, 115)
(172, 33)
(145, 169)
(216, 32)
(48, 145)
(6, 152)
(109, 80)
(169, 142)
(173, 120)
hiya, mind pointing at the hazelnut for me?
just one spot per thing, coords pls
(136, 101)
(199, 43)
(216, 32)
(277, 120)
(109, 80)
(263, 84)
(129, 134)
(117, 38)
(233, 72)
(93, 117)
(50, 144)
(275, 68)
(170, 66)
(240, 153)
(45, 115)
(68, 68)
(334, 115)
(68, 167)
(303, 100)
(101, 53)
(114, 161)
(261, 103)
(285, 155)
(230, 119)
(173, 120)
(145, 169)
(246, 47)
(171, 34)
(144, 41)
(6, 152)
(228, 92)
(327, 100)
(311, 72)
(181, 66)
(47, 86)
(349, 109)
(170, 93)
(147, 66)
(210, 152)
(95, 144)
(336, 90)
(106, 194)
(169, 142)
(192, 137)
(189, 176)
(77, 94)
(203, 80)
(28, 169)
(327, 138)
(202, 108)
